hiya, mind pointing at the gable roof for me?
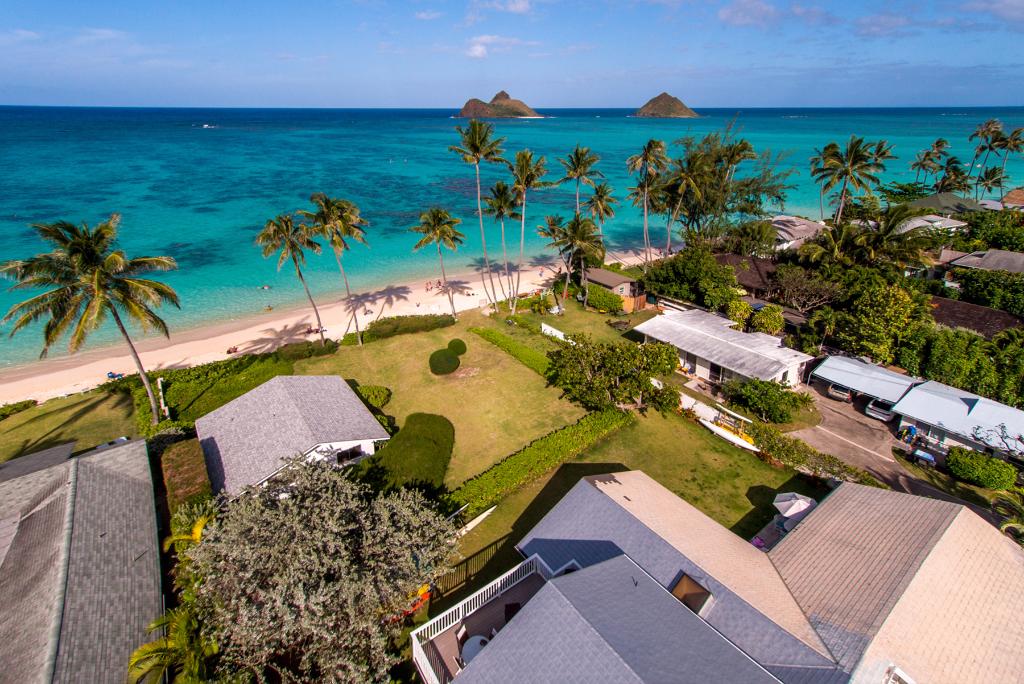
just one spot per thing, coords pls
(956, 313)
(711, 337)
(607, 278)
(946, 202)
(611, 622)
(992, 260)
(866, 378)
(40, 460)
(247, 440)
(79, 567)
(752, 273)
(1015, 197)
(929, 222)
(794, 229)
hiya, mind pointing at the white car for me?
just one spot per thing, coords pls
(879, 410)
(839, 392)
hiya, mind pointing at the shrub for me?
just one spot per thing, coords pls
(768, 400)
(306, 350)
(531, 358)
(185, 477)
(768, 319)
(8, 410)
(739, 311)
(417, 456)
(791, 452)
(443, 362)
(457, 347)
(404, 325)
(376, 396)
(980, 469)
(601, 298)
(537, 458)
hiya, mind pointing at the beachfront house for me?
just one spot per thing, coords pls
(931, 222)
(79, 564)
(619, 283)
(626, 582)
(992, 260)
(248, 440)
(946, 416)
(711, 349)
(791, 232)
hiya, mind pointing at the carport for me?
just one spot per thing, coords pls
(864, 378)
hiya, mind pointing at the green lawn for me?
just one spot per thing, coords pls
(496, 404)
(730, 485)
(90, 419)
(577, 320)
(947, 483)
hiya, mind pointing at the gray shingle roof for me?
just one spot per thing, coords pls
(607, 278)
(80, 578)
(246, 440)
(993, 260)
(611, 622)
(40, 460)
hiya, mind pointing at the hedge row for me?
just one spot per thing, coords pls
(400, 325)
(537, 458)
(8, 410)
(527, 355)
(980, 469)
(797, 454)
(377, 396)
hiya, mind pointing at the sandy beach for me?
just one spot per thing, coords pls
(60, 376)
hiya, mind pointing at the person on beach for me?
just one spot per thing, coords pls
(429, 286)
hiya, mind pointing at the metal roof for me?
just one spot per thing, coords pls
(794, 229)
(709, 336)
(607, 278)
(865, 378)
(964, 414)
(930, 221)
(247, 440)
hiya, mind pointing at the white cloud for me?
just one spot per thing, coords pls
(748, 13)
(813, 14)
(882, 25)
(514, 6)
(482, 46)
(428, 15)
(17, 36)
(98, 35)
(1007, 10)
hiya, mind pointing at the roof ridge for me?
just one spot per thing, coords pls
(53, 645)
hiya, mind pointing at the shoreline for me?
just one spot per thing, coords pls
(61, 376)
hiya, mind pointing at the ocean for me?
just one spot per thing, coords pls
(198, 184)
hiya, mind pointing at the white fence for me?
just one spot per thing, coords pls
(434, 672)
(552, 332)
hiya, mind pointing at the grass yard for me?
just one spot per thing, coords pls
(577, 320)
(184, 471)
(947, 483)
(89, 419)
(730, 485)
(496, 404)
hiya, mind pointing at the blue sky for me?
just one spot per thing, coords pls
(551, 53)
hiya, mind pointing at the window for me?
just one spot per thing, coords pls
(692, 594)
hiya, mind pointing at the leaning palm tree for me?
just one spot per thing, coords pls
(582, 242)
(818, 172)
(648, 163)
(1010, 508)
(1013, 143)
(338, 221)
(579, 167)
(824, 320)
(282, 234)
(553, 230)
(992, 178)
(85, 278)
(891, 241)
(953, 178)
(851, 168)
(834, 244)
(182, 654)
(920, 164)
(479, 145)
(680, 182)
(439, 228)
(527, 174)
(502, 205)
(984, 134)
(601, 206)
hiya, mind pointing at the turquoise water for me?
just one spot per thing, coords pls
(197, 184)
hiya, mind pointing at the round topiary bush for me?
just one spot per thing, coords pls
(457, 347)
(984, 471)
(443, 362)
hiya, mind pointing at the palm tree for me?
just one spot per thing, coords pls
(680, 181)
(818, 172)
(527, 174)
(824, 320)
(579, 167)
(933, 156)
(292, 240)
(988, 180)
(478, 145)
(882, 152)
(601, 206)
(920, 164)
(890, 241)
(337, 221)
(582, 242)
(85, 278)
(1013, 143)
(1010, 508)
(984, 133)
(851, 168)
(835, 244)
(648, 163)
(438, 228)
(995, 143)
(502, 205)
(953, 177)
(554, 230)
(183, 652)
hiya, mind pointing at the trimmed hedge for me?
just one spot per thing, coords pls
(537, 458)
(376, 396)
(400, 325)
(531, 358)
(779, 449)
(418, 455)
(603, 298)
(8, 410)
(443, 362)
(980, 469)
(457, 347)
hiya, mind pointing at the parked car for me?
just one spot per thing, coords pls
(841, 393)
(879, 410)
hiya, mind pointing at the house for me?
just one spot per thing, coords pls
(754, 274)
(626, 582)
(955, 313)
(946, 203)
(931, 222)
(791, 232)
(619, 283)
(992, 260)
(79, 565)
(1014, 199)
(946, 416)
(865, 378)
(247, 440)
(709, 348)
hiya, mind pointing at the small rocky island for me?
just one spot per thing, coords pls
(665, 106)
(501, 106)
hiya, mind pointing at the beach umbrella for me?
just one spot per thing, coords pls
(791, 503)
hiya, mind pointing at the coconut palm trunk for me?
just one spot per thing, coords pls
(154, 409)
(348, 296)
(444, 279)
(842, 204)
(492, 296)
(504, 260)
(583, 281)
(522, 250)
(316, 311)
(577, 196)
(647, 235)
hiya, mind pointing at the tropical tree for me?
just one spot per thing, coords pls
(439, 228)
(601, 205)
(527, 174)
(579, 168)
(477, 145)
(84, 278)
(338, 221)
(1013, 143)
(183, 654)
(824, 322)
(554, 231)
(891, 241)
(835, 244)
(920, 165)
(282, 234)
(648, 163)
(818, 172)
(953, 178)
(992, 178)
(581, 242)
(1010, 508)
(851, 168)
(985, 133)
(681, 180)
(502, 205)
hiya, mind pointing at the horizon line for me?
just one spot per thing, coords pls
(538, 108)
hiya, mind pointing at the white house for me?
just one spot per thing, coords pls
(709, 348)
(247, 440)
(792, 231)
